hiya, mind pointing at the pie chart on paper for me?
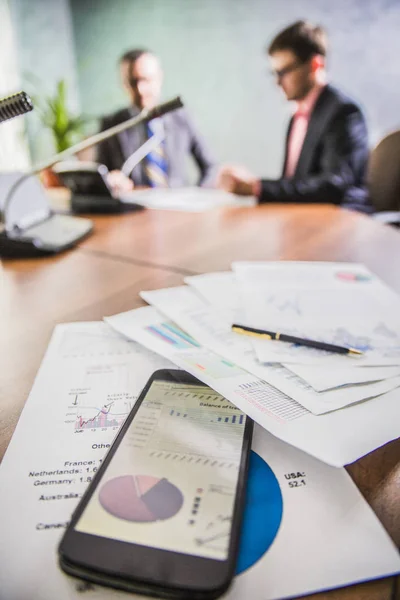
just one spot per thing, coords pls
(262, 513)
(141, 498)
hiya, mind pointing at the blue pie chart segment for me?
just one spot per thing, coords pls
(262, 514)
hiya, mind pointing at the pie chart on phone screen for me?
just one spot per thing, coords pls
(141, 498)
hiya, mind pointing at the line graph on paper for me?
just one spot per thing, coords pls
(102, 399)
(379, 338)
(102, 396)
(326, 308)
(110, 414)
(382, 339)
(379, 342)
(283, 305)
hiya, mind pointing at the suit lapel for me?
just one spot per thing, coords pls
(169, 143)
(122, 137)
(131, 139)
(322, 113)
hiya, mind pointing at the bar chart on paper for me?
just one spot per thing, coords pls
(171, 334)
(211, 365)
(105, 417)
(86, 415)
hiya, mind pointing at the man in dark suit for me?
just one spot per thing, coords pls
(165, 164)
(327, 144)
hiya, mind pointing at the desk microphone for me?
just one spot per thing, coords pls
(14, 242)
(15, 105)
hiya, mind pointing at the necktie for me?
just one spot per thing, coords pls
(156, 166)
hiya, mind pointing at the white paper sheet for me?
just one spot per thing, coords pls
(341, 303)
(212, 328)
(53, 455)
(221, 290)
(187, 199)
(337, 438)
(322, 378)
(88, 382)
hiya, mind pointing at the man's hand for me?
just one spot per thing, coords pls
(119, 182)
(238, 180)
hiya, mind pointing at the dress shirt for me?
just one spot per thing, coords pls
(299, 128)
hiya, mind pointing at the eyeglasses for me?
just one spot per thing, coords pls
(279, 73)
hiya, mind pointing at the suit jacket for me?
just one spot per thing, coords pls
(333, 160)
(181, 140)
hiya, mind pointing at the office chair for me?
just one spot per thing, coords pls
(384, 179)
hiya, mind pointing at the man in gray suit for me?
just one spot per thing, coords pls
(165, 164)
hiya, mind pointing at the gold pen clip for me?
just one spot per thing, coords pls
(251, 333)
(355, 351)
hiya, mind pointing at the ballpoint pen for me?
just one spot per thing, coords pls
(283, 337)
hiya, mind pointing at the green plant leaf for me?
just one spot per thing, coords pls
(54, 114)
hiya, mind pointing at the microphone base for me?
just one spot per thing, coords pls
(100, 204)
(17, 248)
(65, 232)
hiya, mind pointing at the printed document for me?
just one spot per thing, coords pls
(212, 328)
(221, 290)
(338, 303)
(88, 381)
(337, 438)
(187, 199)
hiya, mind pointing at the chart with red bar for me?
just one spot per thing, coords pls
(110, 414)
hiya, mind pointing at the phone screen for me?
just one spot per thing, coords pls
(171, 483)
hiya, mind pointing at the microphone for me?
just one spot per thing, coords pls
(166, 107)
(141, 153)
(14, 106)
(144, 116)
(10, 237)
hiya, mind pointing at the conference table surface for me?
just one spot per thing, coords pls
(152, 249)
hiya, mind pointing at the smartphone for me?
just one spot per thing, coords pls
(162, 516)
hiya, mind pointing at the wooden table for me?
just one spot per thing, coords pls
(210, 241)
(152, 249)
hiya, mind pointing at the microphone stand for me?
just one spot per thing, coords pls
(140, 154)
(143, 116)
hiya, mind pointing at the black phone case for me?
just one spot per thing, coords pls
(146, 585)
(138, 587)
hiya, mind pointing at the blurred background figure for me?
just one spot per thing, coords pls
(211, 57)
(326, 151)
(165, 164)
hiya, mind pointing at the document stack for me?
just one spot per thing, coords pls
(303, 516)
(335, 407)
